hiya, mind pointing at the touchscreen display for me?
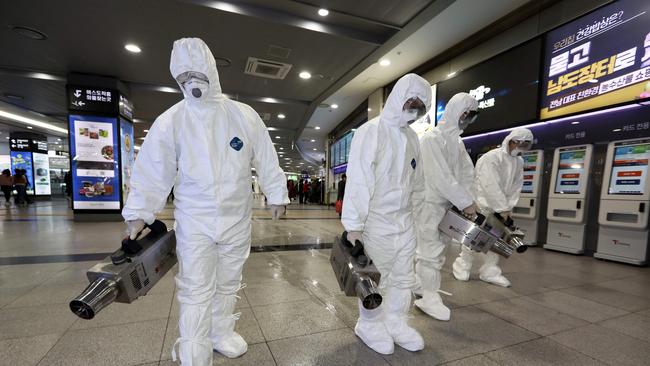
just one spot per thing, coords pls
(530, 171)
(629, 169)
(570, 173)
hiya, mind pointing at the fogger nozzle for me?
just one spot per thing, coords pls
(99, 294)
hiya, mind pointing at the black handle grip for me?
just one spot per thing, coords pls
(357, 250)
(131, 246)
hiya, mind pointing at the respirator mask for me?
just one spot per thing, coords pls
(521, 146)
(470, 117)
(194, 83)
(413, 109)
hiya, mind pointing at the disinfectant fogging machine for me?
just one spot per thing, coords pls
(129, 272)
(358, 277)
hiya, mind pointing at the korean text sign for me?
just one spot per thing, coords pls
(598, 60)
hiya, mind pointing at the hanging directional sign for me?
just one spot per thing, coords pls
(92, 99)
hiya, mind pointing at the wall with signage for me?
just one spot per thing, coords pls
(95, 165)
(340, 150)
(127, 156)
(506, 87)
(598, 60)
(29, 152)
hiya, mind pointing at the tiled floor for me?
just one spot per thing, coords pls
(561, 310)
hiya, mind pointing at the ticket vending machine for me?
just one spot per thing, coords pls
(624, 203)
(568, 199)
(527, 212)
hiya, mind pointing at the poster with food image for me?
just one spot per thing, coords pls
(94, 147)
(127, 157)
(41, 174)
(95, 163)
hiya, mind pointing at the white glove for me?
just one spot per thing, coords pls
(133, 227)
(277, 211)
(470, 211)
(353, 236)
(505, 214)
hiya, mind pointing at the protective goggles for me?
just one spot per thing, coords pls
(523, 144)
(189, 75)
(415, 105)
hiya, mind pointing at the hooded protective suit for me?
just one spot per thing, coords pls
(499, 177)
(448, 175)
(383, 190)
(205, 146)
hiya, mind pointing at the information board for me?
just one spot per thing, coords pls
(41, 174)
(23, 160)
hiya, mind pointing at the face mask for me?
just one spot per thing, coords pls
(517, 152)
(408, 116)
(470, 118)
(196, 88)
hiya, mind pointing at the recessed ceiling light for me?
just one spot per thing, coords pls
(7, 137)
(369, 109)
(222, 61)
(59, 140)
(451, 74)
(317, 128)
(132, 48)
(146, 131)
(141, 138)
(384, 62)
(287, 158)
(282, 148)
(312, 140)
(315, 149)
(616, 130)
(13, 96)
(281, 116)
(277, 137)
(575, 122)
(593, 81)
(323, 12)
(29, 127)
(354, 129)
(334, 106)
(305, 75)
(29, 32)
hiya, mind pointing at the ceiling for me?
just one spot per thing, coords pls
(89, 37)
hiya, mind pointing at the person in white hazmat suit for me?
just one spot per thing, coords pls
(204, 146)
(382, 195)
(499, 177)
(449, 176)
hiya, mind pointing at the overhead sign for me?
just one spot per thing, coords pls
(505, 87)
(126, 108)
(91, 99)
(601, 59)
(20, 144)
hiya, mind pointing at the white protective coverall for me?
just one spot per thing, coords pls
(499, 177)
(448, 175)
(383, 190)
(205, 147)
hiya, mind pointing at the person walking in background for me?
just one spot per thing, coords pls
(6, 184)
(340, 194)
(301, 195)
(20, 183)
(68, 187)
(305, 192)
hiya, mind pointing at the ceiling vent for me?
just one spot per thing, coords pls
(267, 69)
(279, 52)
(265, 116)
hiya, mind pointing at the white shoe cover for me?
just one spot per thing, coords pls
(398, 303)
(372, 331)
(498, 280)
(231, 346)
(431, 304)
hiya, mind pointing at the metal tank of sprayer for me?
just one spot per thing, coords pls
(129, 272)
(486, 232)
(356, 274)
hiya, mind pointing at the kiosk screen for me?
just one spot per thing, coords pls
(629, 169)
(530, 171)
(570, 172)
